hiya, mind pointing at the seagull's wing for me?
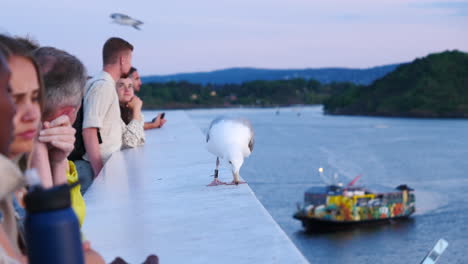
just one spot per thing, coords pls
(122, 16)
(214, 122)
(136, 24)
(252, 136)
(119, 16)
(246, 123)
(251, 143)
(252, 133)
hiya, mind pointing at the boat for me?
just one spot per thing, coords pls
(334, 206)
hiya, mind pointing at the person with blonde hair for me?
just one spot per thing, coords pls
(10, 178)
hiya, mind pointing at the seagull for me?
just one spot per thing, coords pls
(125, 20)
(231, 139)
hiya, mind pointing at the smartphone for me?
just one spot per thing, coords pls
(162, 117)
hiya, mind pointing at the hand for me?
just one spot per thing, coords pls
(159, 122)
(135, 103)
(59, 135)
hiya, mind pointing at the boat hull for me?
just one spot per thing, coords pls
(320, 225)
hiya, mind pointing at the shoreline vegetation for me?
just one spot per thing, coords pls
(435, 86)
(184, 95)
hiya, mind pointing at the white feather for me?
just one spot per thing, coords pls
(229, 140)
(228, 135)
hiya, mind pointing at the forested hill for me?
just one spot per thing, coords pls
(433, 86)
(241, 75)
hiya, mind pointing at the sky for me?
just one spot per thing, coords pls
(204, 35)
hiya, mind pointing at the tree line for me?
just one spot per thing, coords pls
(255, 93)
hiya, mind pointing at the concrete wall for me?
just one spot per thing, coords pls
(154, 200)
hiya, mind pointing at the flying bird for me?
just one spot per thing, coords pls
(231, 139)
(125, 20)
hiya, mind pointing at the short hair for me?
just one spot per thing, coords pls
(64, 78)
(113, 49)
(18, 48)
(28, 42)
(132, 70)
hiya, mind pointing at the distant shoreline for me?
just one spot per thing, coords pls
(227, 107)
(411, 116)
(395, 115)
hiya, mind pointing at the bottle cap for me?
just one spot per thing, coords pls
(39, 199)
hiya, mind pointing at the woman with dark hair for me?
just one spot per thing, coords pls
(26, 90)
(133, 133)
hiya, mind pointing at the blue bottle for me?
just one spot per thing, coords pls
(51, 227)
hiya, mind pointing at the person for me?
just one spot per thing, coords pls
(27, 91)
(26, 88)
(135, 76)
(10, 178)
(7, 107)
(101, 111)
(132, 119)
(64, 79)
(159, 120)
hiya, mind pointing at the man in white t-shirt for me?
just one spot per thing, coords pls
(102, 130)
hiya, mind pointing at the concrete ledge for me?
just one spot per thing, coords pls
(154, 200)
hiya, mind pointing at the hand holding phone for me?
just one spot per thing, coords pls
(160, 115)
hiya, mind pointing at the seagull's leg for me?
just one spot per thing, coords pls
(236, 180)
(216, 182)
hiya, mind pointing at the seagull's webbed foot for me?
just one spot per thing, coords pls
(216, 182)
(236, 183)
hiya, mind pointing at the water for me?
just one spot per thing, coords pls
(427, 154)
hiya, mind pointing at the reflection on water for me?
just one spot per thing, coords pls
(430, 155)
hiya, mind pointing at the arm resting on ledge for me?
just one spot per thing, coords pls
(92, 149)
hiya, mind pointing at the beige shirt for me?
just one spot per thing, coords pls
(101, 110)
